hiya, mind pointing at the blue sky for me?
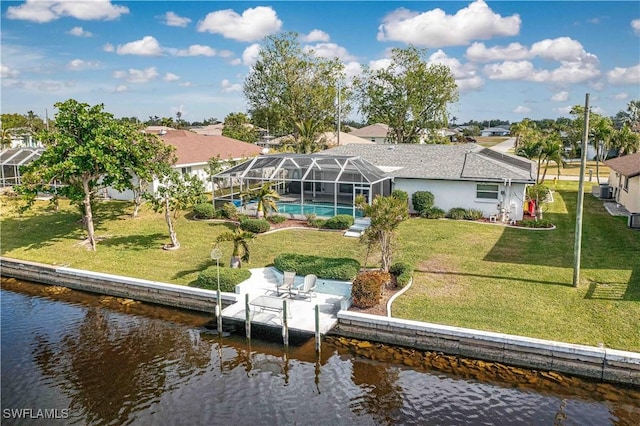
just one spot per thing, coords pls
(511, 59)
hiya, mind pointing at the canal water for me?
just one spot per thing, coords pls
(83, 359)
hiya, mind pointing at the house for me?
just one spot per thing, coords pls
(375, 133)
(12, 160)
(342, 138)
(23, 137)
(465, 175)
(624, 179)
(494, 131)
(193, 152)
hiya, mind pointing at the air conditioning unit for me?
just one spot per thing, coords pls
(606, 192)
(634, 221)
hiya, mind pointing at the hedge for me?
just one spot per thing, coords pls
(341, 221)
(229, 278)
(422, 200)
(366, 290)
(343, 269)
(204, 211)
(456, 213)
(433, 213)
(257, 226)
(403, 272)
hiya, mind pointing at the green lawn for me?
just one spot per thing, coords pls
(468, 274)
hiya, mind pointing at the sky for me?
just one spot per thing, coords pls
(511, 59)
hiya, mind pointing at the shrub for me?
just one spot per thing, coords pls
(366, 290)
(229, 278)
(276, 219)
(433, 213)
(344, 269)
(403, 272)
(257, 226)
(473, 214)
(205, 211)
(400, 194)
(456, 213)
(229, 211)
(313, 221)
(422, 200)
(341, 221)
(542, 223)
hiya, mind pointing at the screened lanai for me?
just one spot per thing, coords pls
(12, 160)
(320, 184)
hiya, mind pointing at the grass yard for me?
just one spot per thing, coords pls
(489, 141)
(468, 274)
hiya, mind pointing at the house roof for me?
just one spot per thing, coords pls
(627, 165)
(377, 130)
(192, 148)
(445, 162)
(345, 138)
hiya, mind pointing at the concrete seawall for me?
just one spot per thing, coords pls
(180, 296)
(587, 361)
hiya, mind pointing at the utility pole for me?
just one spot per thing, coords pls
(338, 135)
(583, 159)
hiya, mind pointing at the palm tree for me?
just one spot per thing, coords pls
(552, 150)
(267, 198)
(625, 141)
(601, 134)
(307, 140)
(240, 240)
(520, 129)
(5, 142)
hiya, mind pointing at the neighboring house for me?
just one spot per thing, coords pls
(208, 130)
(375, 133)
(624, 179)
(465, 175)
(11, 162)
(494, 131)
(193, 151)
(335, 139)
(22, 137)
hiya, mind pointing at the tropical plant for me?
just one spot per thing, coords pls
(238, 126)
(175, 194)
(538, 193)
(240, 241)
(266, 197)
(307, 141)
(552, 150)
(625, 141)
(386, 214)
(89, 150)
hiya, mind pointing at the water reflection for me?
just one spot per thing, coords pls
(115, 362)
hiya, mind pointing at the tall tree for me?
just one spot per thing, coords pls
(238, 126)
(240, 240)
(409, 95)
(520, 129)
(89, 150)
(289, 84)
(625, 141)
(175, 194)
(266, 198)
(308, 138)
(386, 214)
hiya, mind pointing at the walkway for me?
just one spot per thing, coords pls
(263, 282)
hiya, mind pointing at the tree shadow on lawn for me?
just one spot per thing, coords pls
(39, 231)
(135, 242)
(607, 244)
(494, 277)
(197, 269)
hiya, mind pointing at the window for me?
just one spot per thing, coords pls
(185, 171)
(626, 183)
(487, 191)
(345, 188)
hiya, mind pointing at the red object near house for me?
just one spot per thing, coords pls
(532, 207)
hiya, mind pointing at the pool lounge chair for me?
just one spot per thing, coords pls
(308, 287)
(288, 277)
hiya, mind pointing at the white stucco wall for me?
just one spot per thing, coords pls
(629, 198)
(450, 194)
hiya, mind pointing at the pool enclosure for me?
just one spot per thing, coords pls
(307, 181)
(12, 160)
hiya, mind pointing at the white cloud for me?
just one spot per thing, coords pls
(6, 72)
(137, 76)
(225, 54)
(47, 11)
(254, 24)
(510, 70)
(522, 109)
(379, 64)
(315, 36)
(635, 24)
(171, 77)
(620, 75)
(563, 111)
(352, 69)
(181, 109)
(437, 29)
(464, 74)
(568, 72)
(330, 51)
(228, 87)
(196, 50)
(173, 20)
(250, 55)
(621, 96)
(108, 47)
(561, 96)
(79, 32)
(121, 88)
(559, 49)
(185, 84)
(148, 46)
(478, 52)
(80, 65)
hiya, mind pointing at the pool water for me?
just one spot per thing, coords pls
(317, 209)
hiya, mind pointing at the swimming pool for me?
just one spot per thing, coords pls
(317, 209)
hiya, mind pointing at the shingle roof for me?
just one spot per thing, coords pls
(192, 148)
(377, 130)
(448, 162)
(627, 165)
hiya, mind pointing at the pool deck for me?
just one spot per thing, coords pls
(301, 311)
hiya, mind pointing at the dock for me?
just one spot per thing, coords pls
(266, 305)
